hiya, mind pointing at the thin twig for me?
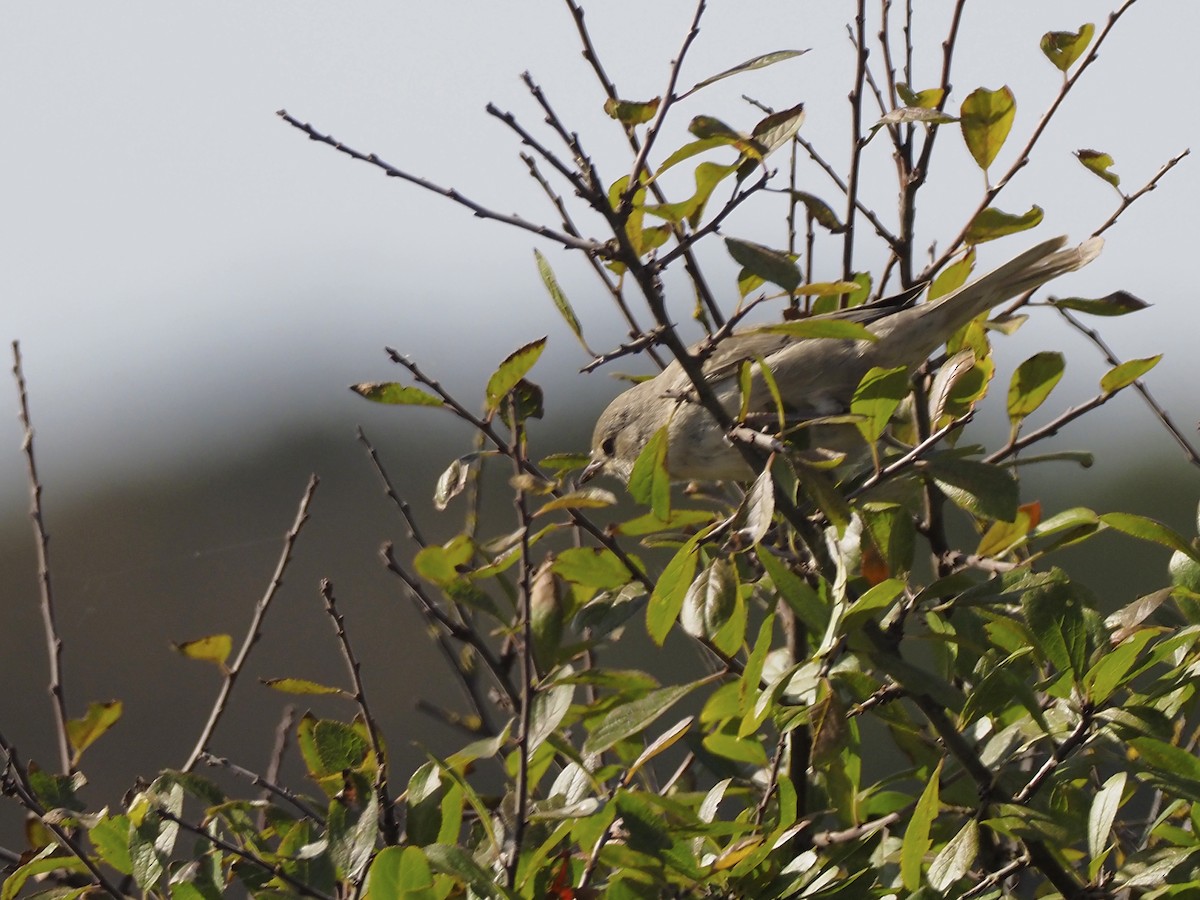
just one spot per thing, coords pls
(1128, 199)
(54, 643)
(481, 212)
(277, 870)
(1016, 445)
(1159, 412)
(401, 504)
(856, 138)
(269, 783)
(389, 828)
(254, 632)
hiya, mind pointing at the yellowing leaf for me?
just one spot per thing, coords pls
(992, 223)
(1127, 373)
(953, 276)
(632, 112)
(927, 99)
(987, 117)
(392, 393)
(215, 648)
(1032, 383)
(84, 732)
(511, 371)
(1062, 48)
(1099, 164)
(300, 686)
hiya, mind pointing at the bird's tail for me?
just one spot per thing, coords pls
(928, 325)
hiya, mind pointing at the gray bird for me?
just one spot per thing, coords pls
(816, 377)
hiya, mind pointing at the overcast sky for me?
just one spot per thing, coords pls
(185, 272)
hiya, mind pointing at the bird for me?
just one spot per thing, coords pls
(816, 377)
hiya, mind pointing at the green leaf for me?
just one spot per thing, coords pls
(1099, 164)
(820, 211)
(1032, 383)
(770, 265)
(631, 112)
(795, 590)
(876, 399)
(979, 488)
(778, 128)
(1056, 619)
(816, 327)
(110, 837)
(39, 865)
(84, 732)
(299, 686)
(1118, 303)
(401, 872)
(1127, 373)
(592, 567)
(634, 716)
(669, 591)
(511, 371)
(439, 563)
(395, 394)
(927, 99)
(993, 223)
(1103, 813)
(758, 62)
(710, 599)
(584, 498)
(986, 119)
(1147, 529)
(753, 517)
(561, 303)
(827, 288)
(953, 276)
(329, 747)
(214, 648)
(649, 482)
(916, 836)
(1062, 48)
(708, 176)
(956, 858)
(452, 861)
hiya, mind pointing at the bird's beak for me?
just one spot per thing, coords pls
(591, 470)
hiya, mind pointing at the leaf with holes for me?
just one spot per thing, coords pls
(1062, 48)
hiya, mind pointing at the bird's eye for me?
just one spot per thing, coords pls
(609, 446)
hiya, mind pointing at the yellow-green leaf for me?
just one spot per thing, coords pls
(836, 329)
(649, 482)
(1032, 383)
(511, 371)
(909, 114)
(1118, 303)
(827, 288)
(86, 731)
(1099, 164)
(986, 119)
(993, 223)
(1062, 48)
(561, 303)
(299, 686)
(953, 276)
(584, 498)
(876, 398)
(632, 112)
(916, 836)
(1127, 373)
(667, 598)
(395, 394)
(927, 99)
(820, 211)
(215, 648)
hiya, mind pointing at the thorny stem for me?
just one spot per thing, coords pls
(54, 643)
(254, 632)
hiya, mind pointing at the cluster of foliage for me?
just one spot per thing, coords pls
(866, 724)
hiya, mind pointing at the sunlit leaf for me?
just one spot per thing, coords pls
(993, 223)
(631, 112)
(953, 276)
(584, 498)
(1147, 529)
(300, 686)
(1001, 537)
(908, 114)
(593, 567)
(561, 303)
(982, 489)
(917, 841)
(709, 600)
(876, 399)
(649, 482)
(214, 648)
(1099, 164)
(955, 859)
(1103, 813)
(397, 394)
(511, 371)
(834, 329)
(927, 99)
(634, 716)
(1127, 373)
(987, 117)
(666, 600)
(1032, 383)
(1062, 48)
(708, 176)
(778, 128)
(84, 732)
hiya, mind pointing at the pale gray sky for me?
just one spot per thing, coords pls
(187, 274)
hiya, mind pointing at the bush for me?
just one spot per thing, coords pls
(902, 694)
